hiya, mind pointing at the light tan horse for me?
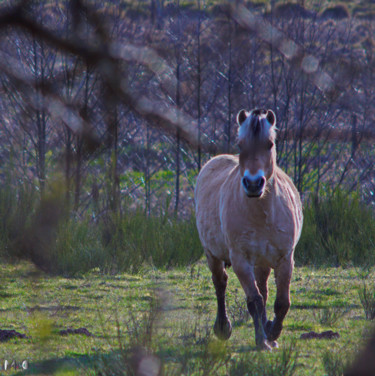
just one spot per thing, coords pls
(249, 215)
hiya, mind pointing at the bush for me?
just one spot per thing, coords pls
(338, 230)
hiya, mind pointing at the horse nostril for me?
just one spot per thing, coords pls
(260, 182)
(246, 182)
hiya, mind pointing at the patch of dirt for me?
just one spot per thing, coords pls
(6, 335)
(305, 306)
(83, 331)
(55, 308)
(329, 334)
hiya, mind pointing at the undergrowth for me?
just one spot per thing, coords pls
(338, 231)
(59, 242)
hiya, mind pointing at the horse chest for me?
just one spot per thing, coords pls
(264, 247)
(264, 243)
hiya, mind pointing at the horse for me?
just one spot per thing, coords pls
(249, 216)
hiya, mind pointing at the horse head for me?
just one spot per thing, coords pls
(256, 140)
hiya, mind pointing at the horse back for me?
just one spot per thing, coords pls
(207, 202)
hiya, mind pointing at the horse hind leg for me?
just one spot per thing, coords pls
(283, 274)
(222, 327)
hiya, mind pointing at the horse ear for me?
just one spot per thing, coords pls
(271, 117)
(241, 117)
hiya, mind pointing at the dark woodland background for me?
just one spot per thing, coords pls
(109, 110)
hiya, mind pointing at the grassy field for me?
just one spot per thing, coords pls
(171, 314)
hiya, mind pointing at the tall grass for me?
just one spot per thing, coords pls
(338, 230)
(123, 244)
(162, 241)
(77, 249)
(41, 229)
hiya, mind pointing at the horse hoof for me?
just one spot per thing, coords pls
(272, 332)
(264, 345)
(273, 344)
(223, 331)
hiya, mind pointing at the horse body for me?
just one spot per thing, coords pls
(249, 215)
(263, 230)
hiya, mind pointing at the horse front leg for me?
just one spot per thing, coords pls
(255, 304)
(283, 275)
(261, 276)
(222, 327)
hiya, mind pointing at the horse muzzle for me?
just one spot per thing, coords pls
(253, 187)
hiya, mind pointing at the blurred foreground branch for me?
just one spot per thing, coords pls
(298, 58)
(109, 59)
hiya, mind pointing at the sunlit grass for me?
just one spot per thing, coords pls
(112, 307)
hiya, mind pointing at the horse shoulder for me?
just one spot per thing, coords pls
(211, 177)
(233, 210)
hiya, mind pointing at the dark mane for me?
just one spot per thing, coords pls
(258, 112)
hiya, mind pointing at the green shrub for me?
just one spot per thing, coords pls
(338, 230)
